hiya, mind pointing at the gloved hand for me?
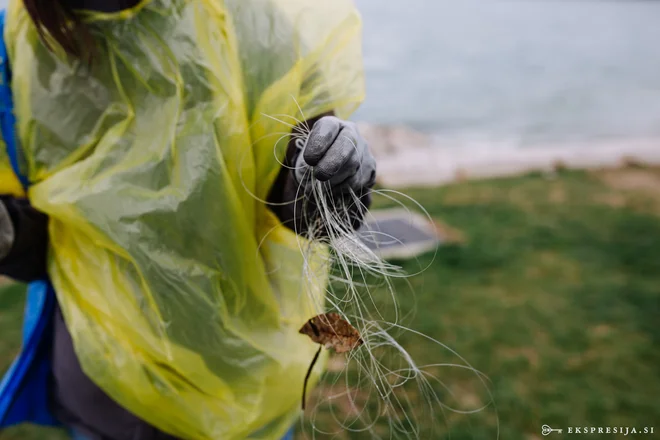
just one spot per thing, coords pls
(23, 240)
(336, 153)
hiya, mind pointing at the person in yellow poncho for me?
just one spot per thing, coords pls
(156, 204)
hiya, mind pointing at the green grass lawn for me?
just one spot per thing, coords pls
(554, 295)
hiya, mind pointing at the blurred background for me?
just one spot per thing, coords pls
(547, 279)
(522, 72)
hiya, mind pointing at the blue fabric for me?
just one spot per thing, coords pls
(288, 436)
(24, 389)
(8, 120)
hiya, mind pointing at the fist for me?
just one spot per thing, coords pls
(336, 153)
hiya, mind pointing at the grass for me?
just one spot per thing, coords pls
(554, 295)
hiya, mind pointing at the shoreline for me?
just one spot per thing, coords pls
(407, 158)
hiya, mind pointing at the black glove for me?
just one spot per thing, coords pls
(23, 240)
(335, 152)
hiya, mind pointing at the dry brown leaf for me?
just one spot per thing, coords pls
(332, 331)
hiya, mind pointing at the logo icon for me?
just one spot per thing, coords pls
(545, 430)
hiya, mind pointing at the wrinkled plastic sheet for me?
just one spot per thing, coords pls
(183, 293)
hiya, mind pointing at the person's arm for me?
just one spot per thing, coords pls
(339, 156)
(23, 240)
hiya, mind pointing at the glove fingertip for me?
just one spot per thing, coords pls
(313, 152)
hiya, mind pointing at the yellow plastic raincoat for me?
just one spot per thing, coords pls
(182, 291)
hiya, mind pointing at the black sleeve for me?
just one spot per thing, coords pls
(298, 213)
(26, 261)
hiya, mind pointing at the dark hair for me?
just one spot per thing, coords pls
(56, 19)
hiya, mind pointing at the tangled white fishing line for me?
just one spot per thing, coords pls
(378, 390)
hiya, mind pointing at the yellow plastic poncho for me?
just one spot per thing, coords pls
(182, 291)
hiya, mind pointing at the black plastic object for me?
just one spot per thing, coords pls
(399, 234)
